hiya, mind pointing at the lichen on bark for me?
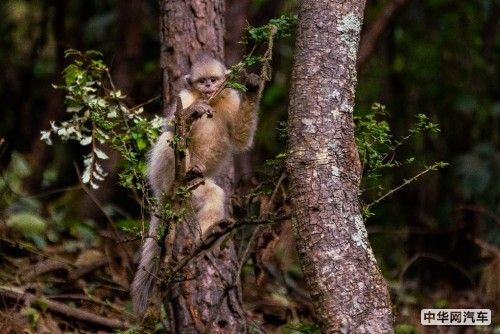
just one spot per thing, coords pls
(345, 283)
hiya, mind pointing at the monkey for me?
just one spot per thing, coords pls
(226, 125)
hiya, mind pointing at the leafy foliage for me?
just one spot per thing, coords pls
(378, 148)
(279, 28)
(99, 117)
(284, 25)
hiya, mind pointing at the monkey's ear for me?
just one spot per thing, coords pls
(188, 79)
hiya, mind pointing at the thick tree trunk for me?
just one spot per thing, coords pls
(208, 300)
(345, 283)
(187, 28)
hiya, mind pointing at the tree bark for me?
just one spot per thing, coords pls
(207, 300)
(348, 291)
(187, 28)
(237, 14)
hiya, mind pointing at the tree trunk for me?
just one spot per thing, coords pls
(187, 28)
(124, 68)
(38, 156)
(345, 283)
(237, 14)
(208, 299)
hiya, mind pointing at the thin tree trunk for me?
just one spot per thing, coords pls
(208, 300)
(237, 14)
(348, 291)
(39, 153)
(123, 71)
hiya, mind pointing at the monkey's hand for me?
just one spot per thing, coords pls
(198, 109)
(253, 82)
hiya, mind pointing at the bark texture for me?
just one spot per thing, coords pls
(206, 299)
(186, 28)
(345, 283)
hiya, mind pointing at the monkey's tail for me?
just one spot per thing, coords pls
(142, 285)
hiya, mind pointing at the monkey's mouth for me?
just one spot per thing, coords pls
(208, 93)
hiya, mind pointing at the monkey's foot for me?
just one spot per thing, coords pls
(253, 82)
(215, 231)
(195, 172)
(222, 224)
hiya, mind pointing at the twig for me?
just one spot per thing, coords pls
(246, 253)
(481, 210)
(278, 185)
(212, 238)
(82, 271)
(30, 248)
(42, 268)
(65, 309)
(437, 258)
(108, 218)
(265, 72)
(486, 246)
(117, 100)
(406, 182)
(144, 103)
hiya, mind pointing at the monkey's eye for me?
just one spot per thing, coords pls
(213, 80)
(202, 81)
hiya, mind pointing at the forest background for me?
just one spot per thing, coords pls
(436, 240)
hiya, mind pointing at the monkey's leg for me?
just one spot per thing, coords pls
(208, 200)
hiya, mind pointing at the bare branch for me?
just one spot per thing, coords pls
(370, 39)
(65, 309)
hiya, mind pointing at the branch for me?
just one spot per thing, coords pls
(117, 101)
(265, 72)
(222, 229)
(180, 132)
(65, 309)
(405, 183)
(485, 246)
(370, 39)
(442, 259)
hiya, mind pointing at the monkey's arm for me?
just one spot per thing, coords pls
(245, 122)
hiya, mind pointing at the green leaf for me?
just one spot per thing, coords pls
(27, 223)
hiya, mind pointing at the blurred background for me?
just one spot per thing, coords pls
(437, 239)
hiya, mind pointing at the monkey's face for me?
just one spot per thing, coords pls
(207, 86)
